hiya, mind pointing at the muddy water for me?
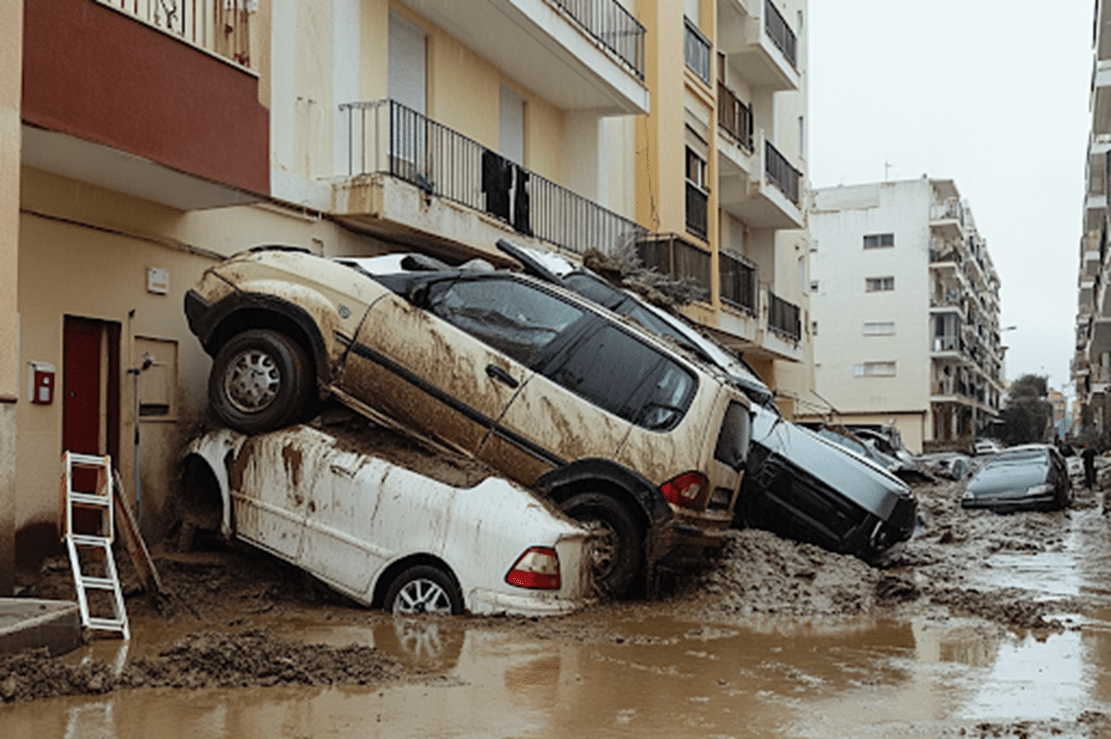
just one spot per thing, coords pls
(634, 672)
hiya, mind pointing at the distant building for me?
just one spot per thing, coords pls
(1060, 412)
(905, 305)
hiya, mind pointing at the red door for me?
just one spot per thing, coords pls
(81, 393)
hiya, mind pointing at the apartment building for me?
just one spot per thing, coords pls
(905, 302)
(721, 174)
(1091, 365)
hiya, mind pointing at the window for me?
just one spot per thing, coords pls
(511, 126)
(879, 328)
(878, 241)
(504, 314)
(696, 168)
(813, 328)
(879, 284)
(813, 286)
(617, 372)
(875, 369)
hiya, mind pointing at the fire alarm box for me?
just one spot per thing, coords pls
(41, 383)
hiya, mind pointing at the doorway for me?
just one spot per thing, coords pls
(91, 389)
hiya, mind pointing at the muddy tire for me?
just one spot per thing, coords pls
(260, 381)
(618, 555)
(424, 589)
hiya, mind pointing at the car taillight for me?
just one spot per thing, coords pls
(537, 568)
(685, 490)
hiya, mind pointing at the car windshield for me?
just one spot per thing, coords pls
(1019, 457)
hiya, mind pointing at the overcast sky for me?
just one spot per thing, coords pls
(992, 94)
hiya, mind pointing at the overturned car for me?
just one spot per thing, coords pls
(797, 484)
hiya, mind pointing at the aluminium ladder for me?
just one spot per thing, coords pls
(98, 542)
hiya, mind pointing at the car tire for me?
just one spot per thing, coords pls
(260, 381)
(619, 557)
(424, 589)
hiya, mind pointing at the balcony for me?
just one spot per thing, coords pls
(762, 189)
(759, 40)
(216, 26)
(677, 258)
(400, 162)
(1095, 202)
(197, 139)
(576, 54)
(1091, 257)
(947, 219)
(1100, 103)
(784, 318)
(734, 118)
(738, 277)
(696, 51)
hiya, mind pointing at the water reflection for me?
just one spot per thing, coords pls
(631, 673)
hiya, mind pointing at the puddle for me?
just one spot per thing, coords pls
(640, 675)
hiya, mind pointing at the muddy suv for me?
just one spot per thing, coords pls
(554, 391)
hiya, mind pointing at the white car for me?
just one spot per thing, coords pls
(388, 536)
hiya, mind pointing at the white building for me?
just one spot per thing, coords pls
(905, 308)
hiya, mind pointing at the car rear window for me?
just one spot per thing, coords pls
(630, 379)
(509, 316)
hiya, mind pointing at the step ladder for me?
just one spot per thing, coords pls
(97, 544)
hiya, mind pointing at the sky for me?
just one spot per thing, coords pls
(992, 94)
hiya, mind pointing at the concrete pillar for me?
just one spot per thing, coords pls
(11, 65)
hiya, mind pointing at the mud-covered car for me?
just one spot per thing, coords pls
(797, 485)
(553, 391)
(388, 536)
(1026, 477)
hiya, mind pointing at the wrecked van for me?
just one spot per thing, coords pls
(796, 485)
(388, 536)
(552, 390)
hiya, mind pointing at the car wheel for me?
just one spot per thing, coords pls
(424, 589)
(617, 552)
(261, 380)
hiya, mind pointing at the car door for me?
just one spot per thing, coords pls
(448, 363)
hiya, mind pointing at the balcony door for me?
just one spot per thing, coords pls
(407, 80)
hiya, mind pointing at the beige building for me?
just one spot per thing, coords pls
(1091, 366)
(140, 147)
(906, 306)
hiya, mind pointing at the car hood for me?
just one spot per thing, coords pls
(1006, 478)
(855, 477)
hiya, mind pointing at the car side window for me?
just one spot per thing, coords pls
(505, 314)
(626, 377)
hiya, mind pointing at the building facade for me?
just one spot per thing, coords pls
(143, 141)
(1091, 365)
(721, 174)
(906, 306)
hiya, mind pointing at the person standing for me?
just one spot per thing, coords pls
(1089, 457)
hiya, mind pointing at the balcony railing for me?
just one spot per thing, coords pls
(780, 173)
(738, 282)
(696, 51)
(613, 26)
(696, 210)
(385, 137)
(780, 33)
(677, 258)
(734, 117)
(219, 26)
(784, 317)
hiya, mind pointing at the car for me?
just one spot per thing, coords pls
(616, 426)
(985, 447)
(951, 465)
(796, 485)
(1025, 477)
(389, 536)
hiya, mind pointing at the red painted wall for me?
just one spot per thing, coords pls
(98, 75)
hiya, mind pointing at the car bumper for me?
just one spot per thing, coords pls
(1008, 503)
(481, 601)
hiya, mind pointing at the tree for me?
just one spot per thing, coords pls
(1028, 412)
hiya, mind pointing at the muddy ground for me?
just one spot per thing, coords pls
(937, 575)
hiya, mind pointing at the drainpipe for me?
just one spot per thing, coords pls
(148, 360)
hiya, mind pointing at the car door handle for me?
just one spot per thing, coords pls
(497, 373)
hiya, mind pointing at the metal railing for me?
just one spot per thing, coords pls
(734, 117)
(385, 137)
(219, 26)
(696, 51)
(697, 210)
(738, 278)
(780, 172)
(784, 317)
(674, 256)
(780, 33)
(613, 26)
